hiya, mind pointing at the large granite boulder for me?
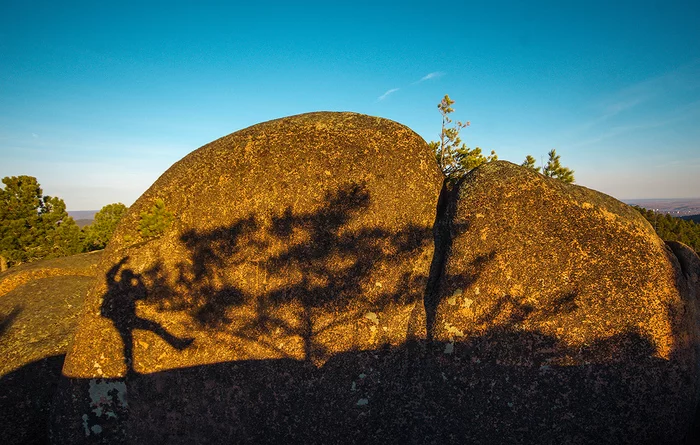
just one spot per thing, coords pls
(295, 244)
(561, 316)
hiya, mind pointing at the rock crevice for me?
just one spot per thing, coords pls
(443, 229)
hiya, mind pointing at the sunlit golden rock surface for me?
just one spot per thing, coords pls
(591, 314)
(296, 297)
(296, 239)
(84, 265)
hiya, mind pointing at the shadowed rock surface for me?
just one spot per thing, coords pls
(39, 310)
(592, 314)
(291, 244)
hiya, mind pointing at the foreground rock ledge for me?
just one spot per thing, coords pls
(39, 309)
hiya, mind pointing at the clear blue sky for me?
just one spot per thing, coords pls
(97, 99)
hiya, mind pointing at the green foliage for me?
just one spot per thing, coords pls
(452, 155)
(455, 158)
(673, 229)
(156, 221)
(552, 169)
(98, 234)
(33, 226)
(694, 218)
(530, 163)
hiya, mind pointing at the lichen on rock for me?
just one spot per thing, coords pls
(542, 273)
(283, 237)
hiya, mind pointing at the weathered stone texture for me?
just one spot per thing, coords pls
(293, 241)
(84, 265)
(297, 297)
(39, 309)
(570, 293)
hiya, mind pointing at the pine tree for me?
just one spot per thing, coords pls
(98, 234)
(452, 155)
(554, 169)
(33, 226)
(154, 222)
(530, 163)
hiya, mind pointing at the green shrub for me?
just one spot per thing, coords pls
(156, 221)
(33, 226)
(98, 234)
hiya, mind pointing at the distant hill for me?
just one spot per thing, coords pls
(84, 222)
(82, 214)
(82, 217)
(674, 207)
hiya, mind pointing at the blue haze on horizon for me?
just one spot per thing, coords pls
(98, 99)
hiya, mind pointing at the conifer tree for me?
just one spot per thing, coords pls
(554, 169)
(33, 226)
(98, 234)
(154, 222)
(452, 155)
(530, 163)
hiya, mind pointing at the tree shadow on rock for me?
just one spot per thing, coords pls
(25, 401)
(293, 270)
(480, 394)
(304, 275)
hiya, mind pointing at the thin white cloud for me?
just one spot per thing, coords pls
(616, 107)
(625, 105)
(35, 136)
(624, 129)
(433, 75)
(684, 78)
(385, 95)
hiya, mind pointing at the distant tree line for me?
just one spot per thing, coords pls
(98, 234)
(456, 159)
(670, 228)
(34, 226)
(694, 218)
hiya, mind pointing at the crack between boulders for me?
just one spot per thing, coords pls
(442, 238)
(676, 249)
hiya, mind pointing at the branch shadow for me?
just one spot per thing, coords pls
(305, 264)
(504, 385)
